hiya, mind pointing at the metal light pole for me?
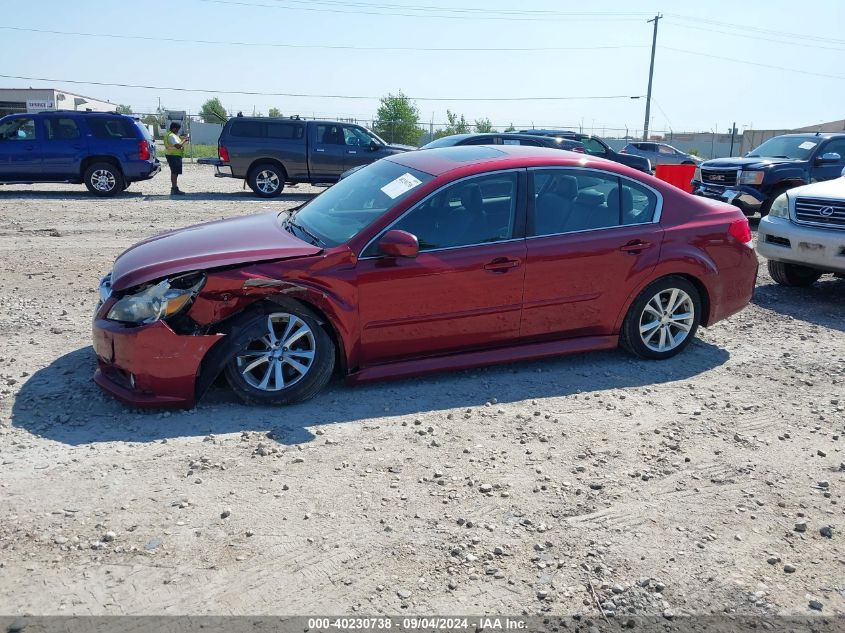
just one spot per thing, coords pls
(650, 77)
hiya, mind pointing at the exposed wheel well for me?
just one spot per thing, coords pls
(702, 291)
(90, 160)
(272, 161)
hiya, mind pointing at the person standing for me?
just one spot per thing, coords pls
(174, 150)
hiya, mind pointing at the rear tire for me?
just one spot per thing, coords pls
(662, 320)
(286, 357)
(266, 180)
(793, 275)
(103, 179)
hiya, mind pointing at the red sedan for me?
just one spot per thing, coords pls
(424, 261)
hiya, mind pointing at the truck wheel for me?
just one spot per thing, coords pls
(266, 180)
(103, 179)
(793, 274)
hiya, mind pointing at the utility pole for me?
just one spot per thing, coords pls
(650, 77)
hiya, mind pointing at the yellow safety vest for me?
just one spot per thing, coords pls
(169, 148)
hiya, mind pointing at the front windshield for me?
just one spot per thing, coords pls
(343, 210)
(795, 147)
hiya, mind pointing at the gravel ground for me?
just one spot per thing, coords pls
(706, 484)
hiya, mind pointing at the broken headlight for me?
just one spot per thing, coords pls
(157, 301)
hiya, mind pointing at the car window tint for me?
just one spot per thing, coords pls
(112, 128)
(593, 147)
(639, 203)
(355, 136)
(568, 200)
(22, 129)
(836, 146)
(665, 149)
(287, 131)
(330, 135)
(478, 210)
(246, 129)
(479, 140)
(61, 128)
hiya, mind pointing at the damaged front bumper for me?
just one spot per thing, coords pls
(149, 365)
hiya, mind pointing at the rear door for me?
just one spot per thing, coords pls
(328, 152)
(63, 148)
(591, 237)
(20, 149)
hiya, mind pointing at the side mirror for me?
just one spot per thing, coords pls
(399, 244)
(828, 157)
(373, 146)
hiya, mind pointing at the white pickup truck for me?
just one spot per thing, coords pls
(803, 237)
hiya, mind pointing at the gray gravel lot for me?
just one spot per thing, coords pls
(709, 483)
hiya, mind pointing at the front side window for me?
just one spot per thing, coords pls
(479, 210)
(836, 146)
(22, 129)
(594, 147)
(665, 149)
(342, 211)
(571, 200)
(356, 137)
(61, 129)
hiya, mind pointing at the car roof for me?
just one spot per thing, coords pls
(442, 160)
(824, 135)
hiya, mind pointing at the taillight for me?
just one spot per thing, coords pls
(223, 153)
(741, 231)
(143, 150)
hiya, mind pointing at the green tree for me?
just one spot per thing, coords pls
(274, 112)
(212, 111)
(398, 120)
(456, 125)
(483, 126)
(124, 109)
(510, 128)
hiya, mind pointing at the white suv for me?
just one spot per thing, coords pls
(803, 237)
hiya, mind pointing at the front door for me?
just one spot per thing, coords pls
(20, 156)
(827, 171)
(464, 289)
(63, 148)
(328, 152)
(592, 236)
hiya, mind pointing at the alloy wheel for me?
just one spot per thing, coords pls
(267, 181)
(103, 180)
(280, 358)
(666, 320)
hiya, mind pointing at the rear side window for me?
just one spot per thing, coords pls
(61, 129)
(639, 204)
(112, 128)
(261, 129)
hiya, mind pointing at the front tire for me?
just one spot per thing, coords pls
(286, 357)
(103, 180)
(792, 275)
(662, 320)
(267, 180)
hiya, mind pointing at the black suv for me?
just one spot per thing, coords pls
(269, 152)
(597, 147)
(105, 150)
(754, 181)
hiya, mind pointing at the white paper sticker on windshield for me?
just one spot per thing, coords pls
(401, 185)
(807, 145)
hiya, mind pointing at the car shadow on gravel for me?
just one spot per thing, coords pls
(70, 194)
(823, 303)
(217, 196)
(60, 402)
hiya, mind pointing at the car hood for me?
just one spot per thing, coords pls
(745, 163)
(401, 148)
(830, 189)
(247, 239)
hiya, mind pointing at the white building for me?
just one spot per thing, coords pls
(15, 100)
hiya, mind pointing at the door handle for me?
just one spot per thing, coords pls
(351, 151)
(319, 150)
(635, 246)
(29, 148)
(77, 147)
(501, 265)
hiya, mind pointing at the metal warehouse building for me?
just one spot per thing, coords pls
(16, 100)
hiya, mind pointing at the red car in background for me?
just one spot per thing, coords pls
(424, 261)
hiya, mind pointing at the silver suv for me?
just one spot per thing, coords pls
(803, 237)
(661, 154)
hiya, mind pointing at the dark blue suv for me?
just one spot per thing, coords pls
(105, 150)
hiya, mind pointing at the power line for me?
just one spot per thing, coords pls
(756, 29)
(758, 64)
(747, 36)
(510, 18)
(151, 38)
(330, 96)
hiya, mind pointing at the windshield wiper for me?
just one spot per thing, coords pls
(313, 238)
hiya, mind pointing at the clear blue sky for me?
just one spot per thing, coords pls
(691, 91)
